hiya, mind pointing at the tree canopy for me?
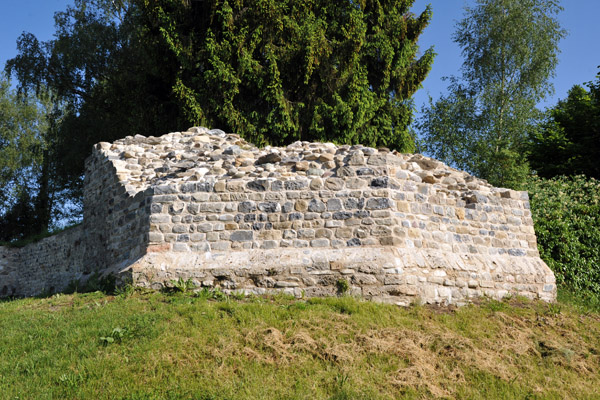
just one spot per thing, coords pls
(510, 50)
(276, 71)
(108, 73)
(24, 165)
(102, 78)
(568, 141)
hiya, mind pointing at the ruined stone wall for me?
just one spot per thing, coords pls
(396, 227)
(112, 236)
(47, 266)
(115, 216)
(210, 207)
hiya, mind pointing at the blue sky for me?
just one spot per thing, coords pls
(578, 60)
(35, 16)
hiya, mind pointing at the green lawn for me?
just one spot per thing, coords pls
(154, 345)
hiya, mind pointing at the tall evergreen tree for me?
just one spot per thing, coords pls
(276, 71)
(105, 76)
(510, 50)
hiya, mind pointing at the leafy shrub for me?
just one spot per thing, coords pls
(182, 286)
(566, 214)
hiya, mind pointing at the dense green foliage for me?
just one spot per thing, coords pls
(568, 142)
(207, 345)
(510, 51)
(276, 71)
(566, 213)
(25, 165)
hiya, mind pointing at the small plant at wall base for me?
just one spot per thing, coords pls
(116, 336)
(182, 286)
(342, 286)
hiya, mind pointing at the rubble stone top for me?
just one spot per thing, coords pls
(207, 155)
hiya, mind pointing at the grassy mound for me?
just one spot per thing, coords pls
(208, 346)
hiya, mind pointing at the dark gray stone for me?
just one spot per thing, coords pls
(287, 207)
(268, 207)
(381, 182)
(378, 203)
(204, 187)
(334, 205)
(353, 242)
(316, 206)
(295, 185)
(378, 159)
(353, 203)
(246, 207)
(232, 150)
(259, 185)
(345, 171)
(364, 171)
(342, 215)
(183, 238)
(362, 214)
(241, 236)
(277, 186)
(165, 189)
(185, 164)
(517, 252)
(188, 187)
(296, 216)
(269, 158)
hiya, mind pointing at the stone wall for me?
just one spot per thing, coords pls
(115, 216)
(47, 266)
(208, 206)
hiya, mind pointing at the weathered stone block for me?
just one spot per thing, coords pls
(241, 236)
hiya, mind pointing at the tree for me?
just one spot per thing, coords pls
(277, 71)
(110, 74)
(105, 76)
(24, 165)
(568, 141)
(510, 50)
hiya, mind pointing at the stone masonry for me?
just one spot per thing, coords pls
(208, 206)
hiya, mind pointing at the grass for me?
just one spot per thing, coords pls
(205, 345)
